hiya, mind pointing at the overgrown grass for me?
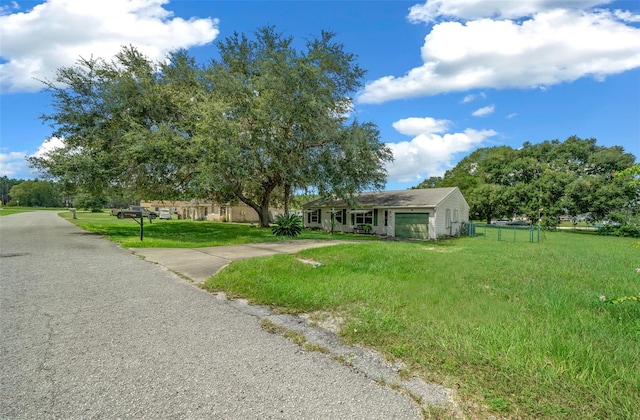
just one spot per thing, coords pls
(514, 326)
(183, 233)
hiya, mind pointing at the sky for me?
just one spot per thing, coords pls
(444, 77)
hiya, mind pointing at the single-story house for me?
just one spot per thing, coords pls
(420, 213)
(207, 210)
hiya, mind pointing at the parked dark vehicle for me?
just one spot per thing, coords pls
(144, 210)
(518, 223)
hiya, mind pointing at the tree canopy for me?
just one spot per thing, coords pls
(548, 179)
(6, 184)
(35, 194)
(258, 122)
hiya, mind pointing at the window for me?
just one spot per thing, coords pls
(386, 217)
(339, 217)
(456, 217)
(364, 218)
(313, 216)
(448, 219)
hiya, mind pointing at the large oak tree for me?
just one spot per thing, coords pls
(285, 124)
(258, 122)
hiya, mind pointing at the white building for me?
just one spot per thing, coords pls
(420, 213)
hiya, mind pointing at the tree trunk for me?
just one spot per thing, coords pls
(261, 208)
(264, 211)
(287, 197)
(264, 217)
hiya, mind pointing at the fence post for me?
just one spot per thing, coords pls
(531, 233)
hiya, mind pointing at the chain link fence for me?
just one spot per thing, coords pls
(512, 233)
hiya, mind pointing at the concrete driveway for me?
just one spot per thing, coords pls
(88, 330)
(198, 264)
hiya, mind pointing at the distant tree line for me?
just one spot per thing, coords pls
(546, 181)
(256, 124)
(44, 193)
(5, 188)
(30, 193)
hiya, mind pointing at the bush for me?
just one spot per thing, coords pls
(89, 202)
(628, 230)
(550, 223)
(288, 225)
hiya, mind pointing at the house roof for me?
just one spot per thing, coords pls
(426, 197)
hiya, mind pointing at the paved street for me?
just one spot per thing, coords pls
(88, 330)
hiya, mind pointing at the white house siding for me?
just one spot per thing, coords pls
(454, 201)
(437, 211)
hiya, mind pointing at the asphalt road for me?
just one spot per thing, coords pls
(88, 330)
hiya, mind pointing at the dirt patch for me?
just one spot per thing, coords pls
(442, 250)
(325, 320)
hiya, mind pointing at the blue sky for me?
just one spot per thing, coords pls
(444, 77)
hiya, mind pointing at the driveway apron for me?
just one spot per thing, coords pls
(198, 264)
(88, 330)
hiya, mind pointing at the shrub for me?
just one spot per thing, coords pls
(288, 225)
(627, 230)
(550, 223)
(89, 202)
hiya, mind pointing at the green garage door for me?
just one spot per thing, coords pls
(412, 225)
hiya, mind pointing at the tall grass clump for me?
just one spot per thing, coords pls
(516, 327)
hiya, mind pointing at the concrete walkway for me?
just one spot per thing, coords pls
(198, 264)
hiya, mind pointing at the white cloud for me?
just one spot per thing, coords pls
(484, 111)
(512, 115)
(428, 153)
(553, 46)
(415, 126)
(7, 8)
(56, 33)
(626, 16)
(431, 10)
(12, 163)
(49, 145)
(473, 97)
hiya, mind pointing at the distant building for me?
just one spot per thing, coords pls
(420, 213)
(208, 210)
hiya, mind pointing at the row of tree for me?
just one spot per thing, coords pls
(545, 181)
(41, 193)
(30, 193)
(262, 120)
(6, 184)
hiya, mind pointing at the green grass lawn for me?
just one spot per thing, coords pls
(183, 233)
(515, 326)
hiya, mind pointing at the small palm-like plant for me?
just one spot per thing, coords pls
(367, 228)
(288, 225)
